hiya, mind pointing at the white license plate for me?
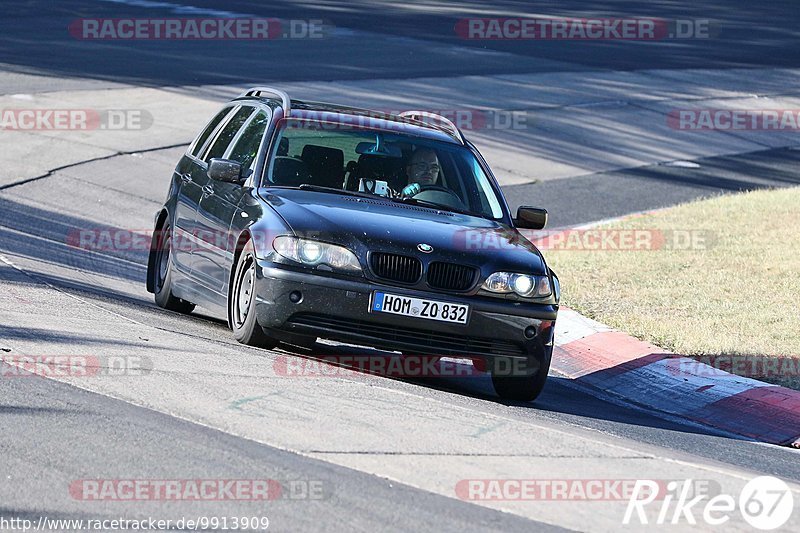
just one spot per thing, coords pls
(419, 308)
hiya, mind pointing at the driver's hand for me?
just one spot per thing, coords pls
(410, 190)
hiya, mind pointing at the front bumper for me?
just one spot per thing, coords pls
(338, 309)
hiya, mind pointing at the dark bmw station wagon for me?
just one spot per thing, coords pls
(299, 220)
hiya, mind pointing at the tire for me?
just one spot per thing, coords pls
(242, 302)
(522, 388)
(162, 273)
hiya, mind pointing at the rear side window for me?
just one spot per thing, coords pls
(228, 133)
(201, 140)
(246, 148)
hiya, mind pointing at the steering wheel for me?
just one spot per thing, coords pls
(439, 195)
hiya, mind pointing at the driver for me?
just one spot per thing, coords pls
(423, 169)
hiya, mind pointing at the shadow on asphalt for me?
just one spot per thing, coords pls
(51, 237)
(738, 36)
(45, 237)
(559, 395)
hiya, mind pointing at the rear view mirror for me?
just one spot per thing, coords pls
(226, 170)
(379, 148)
(531, 217)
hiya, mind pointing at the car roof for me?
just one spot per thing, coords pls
(362, 117)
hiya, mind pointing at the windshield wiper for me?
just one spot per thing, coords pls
(413, 201)
(435, 205)
(320, 188)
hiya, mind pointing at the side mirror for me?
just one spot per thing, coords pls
(531, 217)
(226, 170)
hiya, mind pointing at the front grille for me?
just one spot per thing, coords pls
(450, 277)
(418, 341)
(396, 267)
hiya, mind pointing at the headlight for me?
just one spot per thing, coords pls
(521, 284)
(314, 254)
(309, 252)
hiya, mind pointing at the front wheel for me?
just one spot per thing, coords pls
(162, 273)
(522, 383)
(242, 302)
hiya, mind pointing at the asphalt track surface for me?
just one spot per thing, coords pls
(400, 40)
(54, 433)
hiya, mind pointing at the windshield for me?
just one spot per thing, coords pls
(393, 165)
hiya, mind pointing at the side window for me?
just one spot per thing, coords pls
(228, 133)
(203, 137)
(246, 148)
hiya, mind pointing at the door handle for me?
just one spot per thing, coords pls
(186, 178)
(208, 190)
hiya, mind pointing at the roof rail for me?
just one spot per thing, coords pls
(444, 123)
(258, 91)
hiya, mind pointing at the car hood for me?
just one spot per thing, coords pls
(366, 224)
